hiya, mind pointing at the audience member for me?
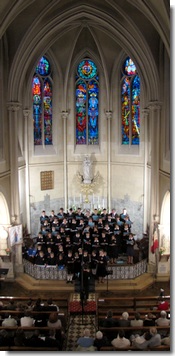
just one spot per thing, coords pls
(54, 321)
(137, 321)
(154, 341)
(149, 320)
(124, 320)
(162, 320)
(121, 341)
(109, 321)
(85, 342)
(100, 340)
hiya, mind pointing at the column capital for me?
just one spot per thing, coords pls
(145, 113)
(64, 114)
(13, 106)
(108, 114)
(26, 113)
(154, 105)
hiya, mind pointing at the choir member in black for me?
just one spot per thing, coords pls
(61, 261)
(51, 260)
(38, 249)
(40, 259)
(50, 240)
(85, 257)
(46, 224)
(93, 263)
(65, 224)
(48, 252)
(87, 242)
(119, 223)
(81, 225)
(56, 224)
(101, 266)
(104, 215)
(61, 214)
(91, 223)
(96, 244)
(118, 234)
(100, 224)
(123, 215)
(113, 249)
(113, 214)
(70, 266)
(80, 253)
(52, 216)
(130, 248)
(76, 241)
(58, 242)
(67, 245)
(40, 239)
(95, 215)
(54, 231)
(103, 241)
(44, 231)
(43, 217)
(125, 234)
(77, 265)
(78, 215)
(73, 225)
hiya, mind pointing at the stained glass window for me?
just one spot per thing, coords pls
(130, 103)
(42, 103)
(87, 107)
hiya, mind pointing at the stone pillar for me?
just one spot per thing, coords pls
(26, 114)
(145, 113)
(109, 117)
(13, 108)
(64, 115)
(154, 117)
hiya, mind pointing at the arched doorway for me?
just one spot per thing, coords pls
(164, 227)
(4, 211)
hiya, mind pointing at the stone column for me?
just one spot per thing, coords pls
(145, 113)
(154, 117)
(64, 115)
(109, 117)
(26, 114)
(13, 108)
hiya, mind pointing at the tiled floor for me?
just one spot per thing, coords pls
(77, 323)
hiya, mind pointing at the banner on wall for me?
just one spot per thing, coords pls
(15, 234)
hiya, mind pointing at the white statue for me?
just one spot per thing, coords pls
(87, 170)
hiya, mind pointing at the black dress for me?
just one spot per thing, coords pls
(130, 246)
(101, 266)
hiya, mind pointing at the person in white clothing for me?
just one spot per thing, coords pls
(163, 321)
(121, 342)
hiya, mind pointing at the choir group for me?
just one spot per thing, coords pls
(75, 239)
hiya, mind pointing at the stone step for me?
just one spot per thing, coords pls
(137, 284)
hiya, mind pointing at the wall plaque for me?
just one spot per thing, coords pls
(47, 180)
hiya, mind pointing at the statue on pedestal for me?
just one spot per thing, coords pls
(87, 170)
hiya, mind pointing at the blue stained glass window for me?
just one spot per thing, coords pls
(130, 104)
(42, 103)
(87, 108)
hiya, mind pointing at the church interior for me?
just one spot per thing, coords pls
(85, 162)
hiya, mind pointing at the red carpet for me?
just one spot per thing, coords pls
(75, 307)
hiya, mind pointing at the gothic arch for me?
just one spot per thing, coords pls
(4, 211)
(39, 41)
(165, 223)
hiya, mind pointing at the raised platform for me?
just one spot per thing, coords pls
(136, 285)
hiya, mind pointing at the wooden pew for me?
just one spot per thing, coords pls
(132, 348)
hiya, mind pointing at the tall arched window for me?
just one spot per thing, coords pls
(130, 103)
(42, 103)
(87, 92)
